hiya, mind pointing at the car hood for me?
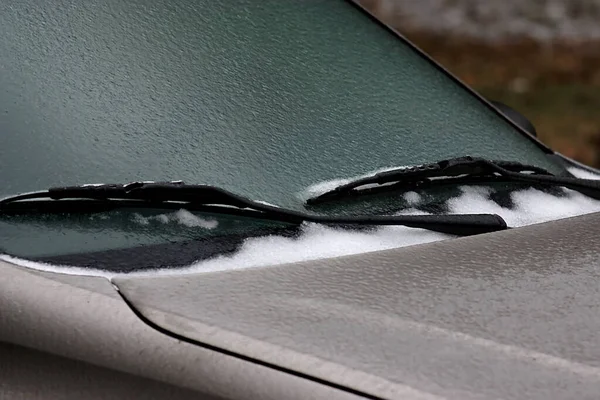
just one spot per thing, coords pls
(511, 314)
(501, 315)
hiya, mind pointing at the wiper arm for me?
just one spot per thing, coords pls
(462, 170)
(91, 198)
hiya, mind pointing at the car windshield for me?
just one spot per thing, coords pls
(262, 98)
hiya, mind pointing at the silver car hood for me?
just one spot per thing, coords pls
(513, 314)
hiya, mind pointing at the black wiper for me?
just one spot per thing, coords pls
(462, 170)
(176, 195)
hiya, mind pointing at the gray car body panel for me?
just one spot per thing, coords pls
(84, 319)
(491, 316)
(512, 314)
(27, 374)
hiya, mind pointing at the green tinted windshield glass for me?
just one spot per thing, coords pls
(263, 98)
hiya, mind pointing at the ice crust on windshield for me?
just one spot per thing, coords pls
(531, 206)
(182, 217)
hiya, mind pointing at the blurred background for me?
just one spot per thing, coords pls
(541, 57)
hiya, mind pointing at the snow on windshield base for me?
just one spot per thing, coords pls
(316, 241)
(182, 217)
(583, 174)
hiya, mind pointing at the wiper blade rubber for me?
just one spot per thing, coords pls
(171, 195)
(461, 170)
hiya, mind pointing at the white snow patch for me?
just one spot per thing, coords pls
(531, 206)
(583, 174)
(182, 217)
(412, 198)
(317, 241)
(314, 242)
(265, 203)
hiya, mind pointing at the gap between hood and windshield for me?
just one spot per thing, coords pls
(313, 241)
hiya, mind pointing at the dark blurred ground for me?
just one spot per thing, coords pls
(554, 80)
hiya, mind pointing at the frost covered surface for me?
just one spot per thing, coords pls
(412, 198)
(182, 217)
(61, 269)
(315, 241)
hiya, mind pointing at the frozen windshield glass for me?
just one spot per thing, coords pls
(263, 98)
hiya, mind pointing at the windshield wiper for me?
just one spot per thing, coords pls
(176, 195)
(462, 170)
